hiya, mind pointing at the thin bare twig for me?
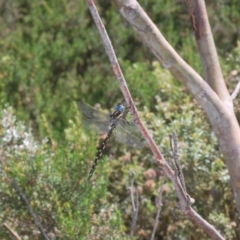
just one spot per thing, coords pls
(159, 207)
(34, 215)
(134, 206)
(177, 165)
(236, 90)
(14, 234)
(174, 147)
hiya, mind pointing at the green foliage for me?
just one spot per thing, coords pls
(51, 56)
(53, 179)
(222, 222)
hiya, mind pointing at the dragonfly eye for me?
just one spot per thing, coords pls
(120, 107)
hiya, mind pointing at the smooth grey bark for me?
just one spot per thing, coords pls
(207, 50)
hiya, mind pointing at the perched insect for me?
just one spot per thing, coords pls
(107, 123)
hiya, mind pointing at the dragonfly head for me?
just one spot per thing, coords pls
(120, 108)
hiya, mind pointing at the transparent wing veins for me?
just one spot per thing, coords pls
(129, 139)
(91, 112)
(100, 122)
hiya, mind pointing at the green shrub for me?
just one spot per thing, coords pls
(51, 56)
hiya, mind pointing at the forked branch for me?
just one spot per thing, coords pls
(183, 199)
(218, 108)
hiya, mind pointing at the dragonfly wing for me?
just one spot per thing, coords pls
(129, 126)
(126, 137)
(91, 112)
(97, 125)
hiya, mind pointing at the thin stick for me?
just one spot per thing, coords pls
(134, 206)
(14, 234)
(34, 215)
(174, 146)
(236, 90)
(159, 207)
(177, 165)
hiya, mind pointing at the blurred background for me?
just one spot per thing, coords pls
(52, 57)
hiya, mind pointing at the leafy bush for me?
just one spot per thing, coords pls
(51, 56)
(53, 179)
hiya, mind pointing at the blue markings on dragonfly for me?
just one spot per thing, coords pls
(107, 123)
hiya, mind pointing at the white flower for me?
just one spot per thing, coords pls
(8, 137)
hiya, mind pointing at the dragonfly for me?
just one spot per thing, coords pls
(106, 123)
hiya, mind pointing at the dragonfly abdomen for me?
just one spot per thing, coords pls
(100, 151)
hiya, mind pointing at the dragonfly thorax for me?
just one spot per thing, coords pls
(118, 113)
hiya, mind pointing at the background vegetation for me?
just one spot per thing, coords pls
(51, 57)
